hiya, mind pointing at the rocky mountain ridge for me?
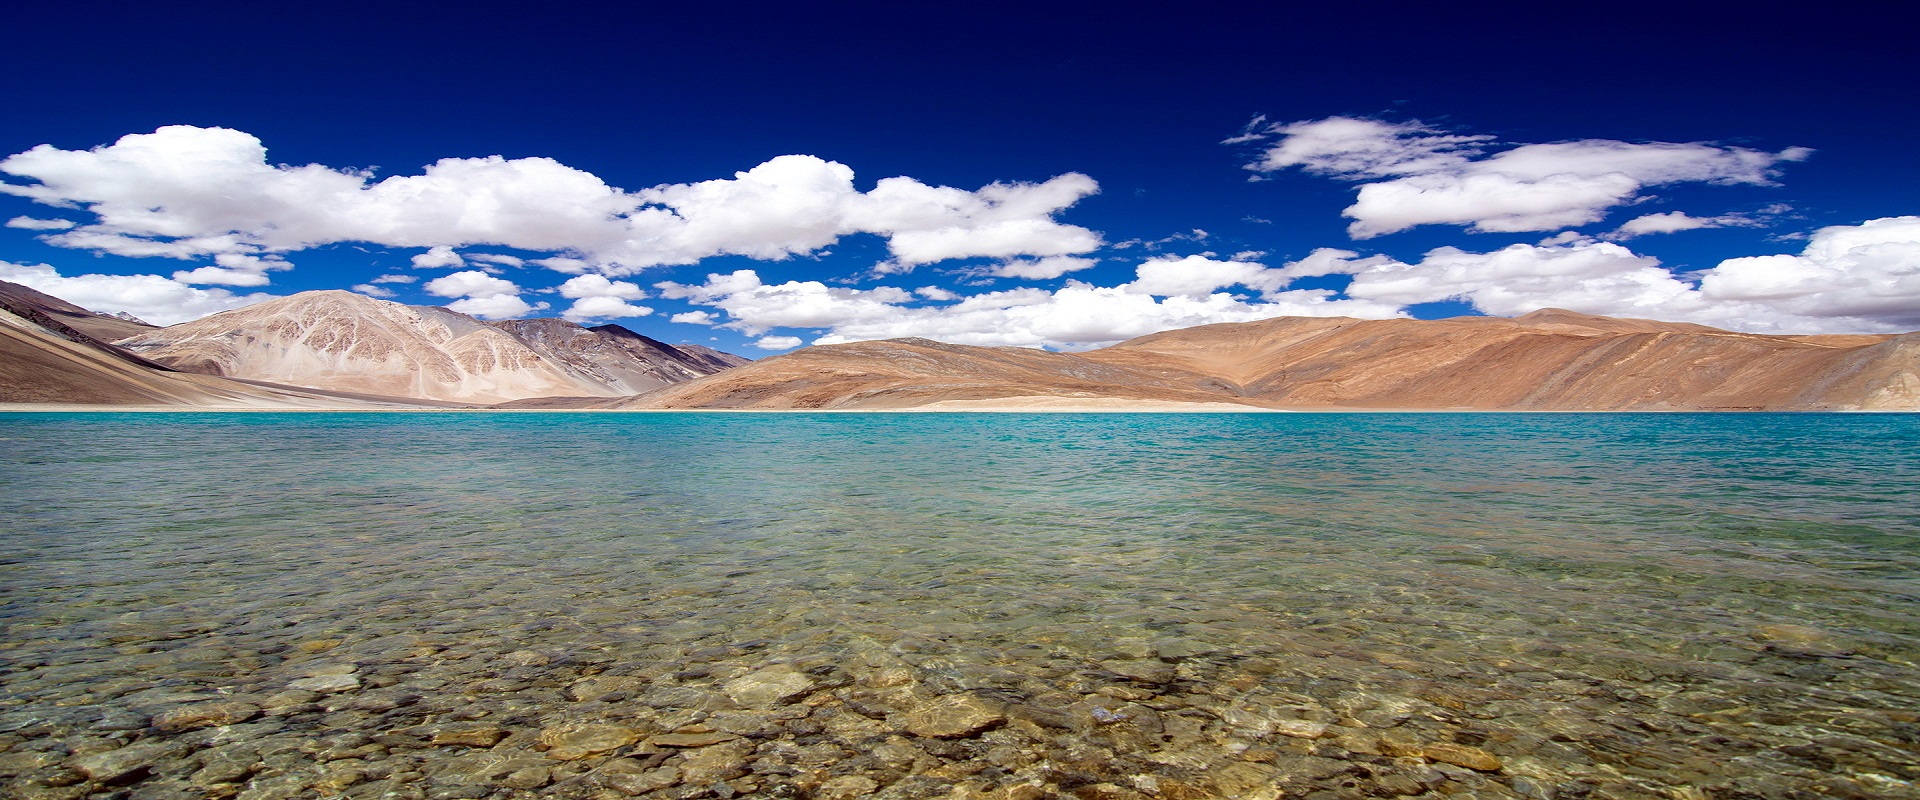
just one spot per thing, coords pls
(317, 348)
(341, 341)
(50, 353)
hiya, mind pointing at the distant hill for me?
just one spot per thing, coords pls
(335, 348)
(342, 341)
(1548, 360)
(49, 354)
(57, 313)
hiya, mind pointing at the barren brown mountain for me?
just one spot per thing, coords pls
(42, 363)
(354, 351)
(1547, 360)
(57, 314)
(342, 341)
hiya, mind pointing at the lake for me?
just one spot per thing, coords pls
(837, 605)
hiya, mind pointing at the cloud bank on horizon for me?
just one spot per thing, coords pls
(210, 197)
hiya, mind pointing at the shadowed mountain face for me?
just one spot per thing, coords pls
(27, 302)
(1547, 360)
(342, 341)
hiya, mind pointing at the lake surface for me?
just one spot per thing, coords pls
(270, 605)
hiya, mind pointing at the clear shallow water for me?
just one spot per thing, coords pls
(966, 605)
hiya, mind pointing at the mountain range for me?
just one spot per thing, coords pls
(316, 348)
(1547, 360)
(324, 348)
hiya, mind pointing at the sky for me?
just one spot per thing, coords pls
(758, 177)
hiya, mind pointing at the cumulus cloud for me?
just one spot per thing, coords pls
(495, 306)
(32, 224)
(1198, 276)
(570, 266)
(1869, 271)
(1857, 278)
(374, 289)
(755, 308)
(1674, 222)
(437, 257)
(1162, 297)
(596, 297)
(234, 269)
(778, 342)
(1412, 174)
(1586, 275)
(482, 295)
(599, 286)
(588, 309)
(695, 318)
(185, 192)
(149, 297)
(469, 284)
(221, 276)
(1041, 269)
(1849, 278)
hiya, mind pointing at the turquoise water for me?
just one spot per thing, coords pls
(1164, 604)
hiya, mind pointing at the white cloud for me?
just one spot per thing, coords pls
(235, 269)
(371, 290)
(1869, 271)
(778, 342)
(482, 295)
(587, 309)
(1075, 316)
(497, 258)
(1588, 276)
(31, 224)
(395, 279)
(437, 257)
(469, 283)
(1195, 235)
(1416, 175)
(1674, 222)
(1488, 203)
(222, 276)
(149, 297)
(695, 318)
(599, 286)
(570, 266)
(1041, 269)
(1355, 149)
(185, 192)
(595, 297)
(1862, 278)
(495, 306)
(1198, 276)
(756, 308)
(1850, 278)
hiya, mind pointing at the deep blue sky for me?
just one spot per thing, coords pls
(964, 95)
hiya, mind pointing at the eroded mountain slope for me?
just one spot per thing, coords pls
(1548, 360)
(343, 341)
